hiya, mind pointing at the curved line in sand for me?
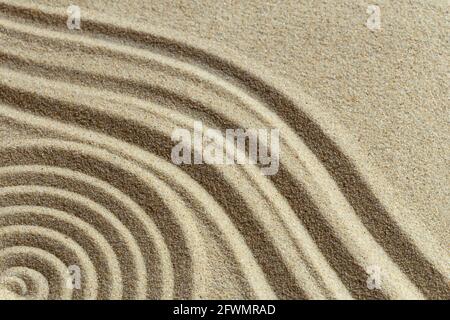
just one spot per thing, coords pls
(36, 285)
(42, 261)
(57, 220)
(56, 243)
(190, 236)
(358, 195)
(403, 280)
(80, 182)
(102, 139)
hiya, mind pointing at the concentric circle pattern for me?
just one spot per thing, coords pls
(94, 186)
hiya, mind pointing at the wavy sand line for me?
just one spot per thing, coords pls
(95, 154)
(79, 183)
(51, 267)
(67, 250)
(352, 197)
(34, 286)
(85, 235)
(158, 122)
(209, 204)
(258, 175)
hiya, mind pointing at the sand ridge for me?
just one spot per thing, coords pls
(102, 193)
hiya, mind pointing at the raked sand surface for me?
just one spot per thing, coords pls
(86, 177)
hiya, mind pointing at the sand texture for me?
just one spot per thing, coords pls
(86, 177)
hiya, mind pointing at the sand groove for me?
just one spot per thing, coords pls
(103, 193)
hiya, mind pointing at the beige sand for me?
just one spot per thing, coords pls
(86, 177)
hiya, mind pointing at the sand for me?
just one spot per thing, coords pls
(86, 177)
